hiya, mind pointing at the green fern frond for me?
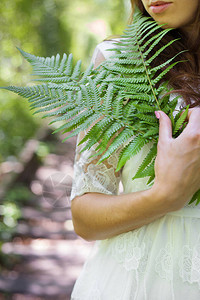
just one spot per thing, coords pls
(116, 101)
(95, 132)
(69, 114)
(109, 133)
(134, 146)
(121, 138)
(144, 108)
(180, 120)
(87, 73)
(152, 132)
(76, 121)
(147, 118)
(151, 180)
(25, 92)
(163, 73)
(196, 197)
(147, 172)
(147, 160)
(77, 71)
(81, 125)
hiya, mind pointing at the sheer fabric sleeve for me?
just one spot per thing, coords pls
(88, 176)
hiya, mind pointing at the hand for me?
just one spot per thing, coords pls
(177, 166)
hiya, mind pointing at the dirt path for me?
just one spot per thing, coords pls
(48, 254)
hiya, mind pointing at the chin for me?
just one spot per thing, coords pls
(167, 24)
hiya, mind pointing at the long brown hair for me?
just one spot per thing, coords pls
(184, 77)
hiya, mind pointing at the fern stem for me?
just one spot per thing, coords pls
(142, 57)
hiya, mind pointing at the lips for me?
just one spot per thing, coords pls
(157, 3)
(159, 6)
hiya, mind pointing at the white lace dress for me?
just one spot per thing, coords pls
(159, 261)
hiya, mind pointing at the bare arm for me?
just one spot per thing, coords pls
(99, 216)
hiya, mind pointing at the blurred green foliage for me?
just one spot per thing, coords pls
(45, 28)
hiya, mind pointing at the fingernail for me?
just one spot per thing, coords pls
(157, 114)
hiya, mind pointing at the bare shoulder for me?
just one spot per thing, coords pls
(102, 52)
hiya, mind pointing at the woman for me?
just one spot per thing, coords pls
(148, 244)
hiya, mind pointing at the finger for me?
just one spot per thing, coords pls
(195, 111)
(165, 126)
(193, 118)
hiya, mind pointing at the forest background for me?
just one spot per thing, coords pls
(43, 28)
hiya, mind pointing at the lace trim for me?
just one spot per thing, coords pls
(164, 263)
(132, 254)
(90, 177)
(189, 265)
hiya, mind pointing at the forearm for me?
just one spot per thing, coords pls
(98, 216)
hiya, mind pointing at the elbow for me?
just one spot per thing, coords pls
(80, 225)
(81, 232)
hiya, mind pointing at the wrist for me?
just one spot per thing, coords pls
(163, 199)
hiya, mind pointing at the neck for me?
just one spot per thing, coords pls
(188, 31)
(191, 34)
